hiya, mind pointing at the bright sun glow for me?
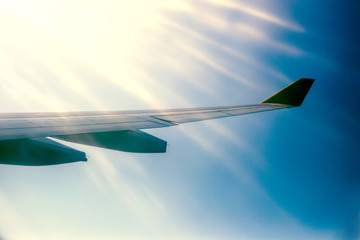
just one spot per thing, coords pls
(114, 41)
(112, 55)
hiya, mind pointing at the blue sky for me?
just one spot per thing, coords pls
(287, 174)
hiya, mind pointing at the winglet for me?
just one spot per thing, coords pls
(294, 94)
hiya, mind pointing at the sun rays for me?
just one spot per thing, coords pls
(117, 44)
(95, 55)
(114, 40)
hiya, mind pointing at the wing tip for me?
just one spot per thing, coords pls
(294, 94)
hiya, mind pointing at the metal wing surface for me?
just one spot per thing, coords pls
(15, 126)
(120, 130)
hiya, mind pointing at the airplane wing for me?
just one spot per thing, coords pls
(24, 136)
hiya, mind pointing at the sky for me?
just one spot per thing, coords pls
(286, 174)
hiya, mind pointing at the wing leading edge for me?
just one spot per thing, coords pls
(120, 130)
